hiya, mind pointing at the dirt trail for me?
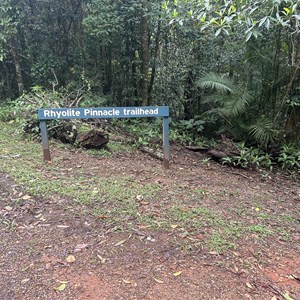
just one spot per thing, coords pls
(38, 235)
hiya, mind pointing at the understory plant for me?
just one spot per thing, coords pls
(235, 111)
(287, 158)
(250, 157)
(187, 132)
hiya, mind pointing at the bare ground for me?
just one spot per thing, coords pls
(38, 235)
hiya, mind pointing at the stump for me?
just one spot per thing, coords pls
(93, 139)
(66, 132)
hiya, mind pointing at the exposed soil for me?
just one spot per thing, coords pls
(38, 235)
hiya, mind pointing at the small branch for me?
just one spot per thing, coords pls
(236, 173)
(276, 291)
(54, 84)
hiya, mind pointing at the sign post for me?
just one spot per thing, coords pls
(45, 114)
(166, 143)
(45, 141)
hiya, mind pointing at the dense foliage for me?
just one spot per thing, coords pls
(224, 67)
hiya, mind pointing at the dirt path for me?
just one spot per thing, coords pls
(49, 250)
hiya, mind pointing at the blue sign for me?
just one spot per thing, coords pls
(103, 112)
(45, 114)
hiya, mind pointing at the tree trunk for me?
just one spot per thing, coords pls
(153, 71)
(145, 56)
(107, 75)
(292, 126)
(17, 62)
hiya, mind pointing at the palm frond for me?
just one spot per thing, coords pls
(212, 99)
(217, 82)
(235, 105)
(263, 131)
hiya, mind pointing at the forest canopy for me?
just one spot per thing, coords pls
(226, 67)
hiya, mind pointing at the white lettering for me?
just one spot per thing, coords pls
(86, 112)
(58, 114)
(100, 112)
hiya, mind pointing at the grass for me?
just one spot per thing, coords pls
(263, 216)
(21, 158)
(101, 152)
(220, 242)
(259, 229)
(116, 147)
(223, 233)
(114, 199)
(116, 194)
(288, 218)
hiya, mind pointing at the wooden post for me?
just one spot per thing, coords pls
(166, 143)
(45, 141)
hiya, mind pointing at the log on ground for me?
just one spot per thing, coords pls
(93, 139)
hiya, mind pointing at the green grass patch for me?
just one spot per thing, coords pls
(116, 147)
(100, 152)
(288, 218)
(263, 216)
(220, 242)
(222, 233)
(259, 229)
(22, 160)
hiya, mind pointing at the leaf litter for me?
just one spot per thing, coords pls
(106, 270)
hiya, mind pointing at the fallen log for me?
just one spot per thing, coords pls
(197, 149)
(217, 154)
(93, 139)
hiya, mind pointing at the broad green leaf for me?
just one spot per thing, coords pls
(248, 36)
(218, 31)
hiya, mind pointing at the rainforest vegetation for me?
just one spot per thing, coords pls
(225, 68)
